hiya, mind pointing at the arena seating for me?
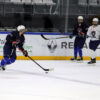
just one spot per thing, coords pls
(93, 2)
(27, 1)
(82, 2)
(16, 1)
(48, 2)
(89, 2)
(37, 2)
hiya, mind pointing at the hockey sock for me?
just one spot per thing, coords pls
(93, 54)
(80, 51)
(75, 52)
(12, 60)
(6, 61)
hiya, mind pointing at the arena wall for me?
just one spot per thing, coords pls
(53, 49)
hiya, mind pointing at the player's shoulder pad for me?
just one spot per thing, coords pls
(10, 34)
(14, 33)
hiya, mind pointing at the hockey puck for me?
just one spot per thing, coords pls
(46, 72)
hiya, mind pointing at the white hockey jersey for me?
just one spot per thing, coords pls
(94, 32)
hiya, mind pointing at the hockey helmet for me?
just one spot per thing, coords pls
(20, 27)
(80, 17)
(95, 20)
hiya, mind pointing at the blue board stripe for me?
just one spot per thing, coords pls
(39, 33)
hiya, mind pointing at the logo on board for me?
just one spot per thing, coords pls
(52, 45)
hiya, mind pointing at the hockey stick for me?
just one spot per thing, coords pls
(40, 65)
(90, 36)
(51, 38)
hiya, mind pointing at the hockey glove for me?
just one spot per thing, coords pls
(82, 33)
(25, 53)
(70, 36)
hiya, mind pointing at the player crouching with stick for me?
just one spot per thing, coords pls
(14, 40)
(94, 34)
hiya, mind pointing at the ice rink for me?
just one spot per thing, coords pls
(24, 80)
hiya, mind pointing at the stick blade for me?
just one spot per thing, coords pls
(49, 69)
(52, 69)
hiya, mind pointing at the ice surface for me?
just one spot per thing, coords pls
(24, 80)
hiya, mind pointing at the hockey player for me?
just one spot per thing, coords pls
(94, 34)
(80, 30)
(13, 40)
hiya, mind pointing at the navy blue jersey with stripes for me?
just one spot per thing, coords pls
(14, 36)
(13, 40)
(80, 32)
(79, 28)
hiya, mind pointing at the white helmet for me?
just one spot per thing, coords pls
(80, 17)
(20, 27)
(95, 19)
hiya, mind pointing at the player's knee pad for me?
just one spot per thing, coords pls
(12, 60)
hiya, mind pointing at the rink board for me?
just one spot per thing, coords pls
(53, 49)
